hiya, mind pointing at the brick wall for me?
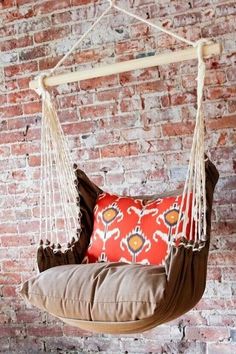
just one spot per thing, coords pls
(131, 133)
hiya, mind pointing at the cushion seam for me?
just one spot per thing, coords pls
(94, 302)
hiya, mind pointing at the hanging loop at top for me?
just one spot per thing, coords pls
(199, 44)
(112, 2)
(41, 89)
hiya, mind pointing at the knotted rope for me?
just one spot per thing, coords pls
(56, 173)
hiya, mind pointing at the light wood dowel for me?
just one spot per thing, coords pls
(116, 68)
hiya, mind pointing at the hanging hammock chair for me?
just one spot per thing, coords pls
(118, 295)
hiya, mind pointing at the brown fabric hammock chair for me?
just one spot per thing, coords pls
(178, 286)
(116, 297)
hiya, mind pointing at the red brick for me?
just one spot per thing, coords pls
(131, 105)
(82, 2)
(213, 304)
(24, 148)
(48, 63)
(8, 229)
(50, 6)
(140, 30)
(219, 28)
(178, 99)
(75, 100)
(100, 82)
(214, 93)
(16, 123)
(62, 17)
(9, 291)
(14, 15)
(20, 69)
(16, 43)
(10, 331)
(30, 251)
(28, 227)
(222, 123)
(115, 94)
(23, 83)
(224, 258)
(176, 129)
(79, 128)
(133, 45)
(33, 107)
(215, 77)
(7, 4)
(187, 19)
(33, 134)
(27, 316)
(11, 111)
(119, 150)
(13, 240)
(138, 75)
(22, 96)
(165, 101)
(9, 278)
(154, 86)
(34, 161)
(51, 34)
(101, 110)
(24, 2)
(34, 53)
(17, 265)
(45, 331)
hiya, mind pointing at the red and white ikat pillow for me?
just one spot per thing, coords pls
(133, 230)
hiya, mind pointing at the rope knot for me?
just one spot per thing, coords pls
(199, 44)
(41, 89)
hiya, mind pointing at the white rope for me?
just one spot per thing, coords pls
(112, 4)
(195, 180)
(79, 41)
(53, 143)
(159, 27)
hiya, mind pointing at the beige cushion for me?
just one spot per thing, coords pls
(98, 292)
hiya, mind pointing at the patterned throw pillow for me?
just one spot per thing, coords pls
(133, 230)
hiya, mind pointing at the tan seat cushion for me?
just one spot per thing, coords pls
(98, 292)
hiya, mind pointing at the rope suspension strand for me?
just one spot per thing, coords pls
(57, 173)
(194, 193)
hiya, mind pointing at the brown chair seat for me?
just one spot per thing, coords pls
(103, 292)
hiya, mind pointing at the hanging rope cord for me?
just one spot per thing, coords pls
(55, 153)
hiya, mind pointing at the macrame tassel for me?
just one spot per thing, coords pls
(59, 197)
(194, 193)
